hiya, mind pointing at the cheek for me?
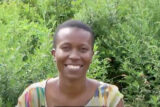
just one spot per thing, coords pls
(59, 56)
(88, 58)
(60, 59)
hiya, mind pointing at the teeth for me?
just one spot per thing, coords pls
(74, 67)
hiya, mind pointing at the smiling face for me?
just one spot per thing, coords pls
(73, 52)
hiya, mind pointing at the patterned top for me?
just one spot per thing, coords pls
(105, 95)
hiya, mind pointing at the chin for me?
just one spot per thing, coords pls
(74, 77)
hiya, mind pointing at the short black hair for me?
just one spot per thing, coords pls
(73, 23)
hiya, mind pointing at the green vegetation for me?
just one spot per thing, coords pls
(127, 49)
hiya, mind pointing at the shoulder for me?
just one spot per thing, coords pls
(32, 93)
(110, 94)
(35, 86)
(108, 87)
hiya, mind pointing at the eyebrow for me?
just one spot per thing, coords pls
(70, 43)
(65, 43)
(81, 45)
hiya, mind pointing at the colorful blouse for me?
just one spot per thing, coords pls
(34, 96)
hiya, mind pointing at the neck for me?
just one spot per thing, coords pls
(72, 87)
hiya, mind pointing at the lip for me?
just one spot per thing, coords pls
(74, 68)
(73, 65)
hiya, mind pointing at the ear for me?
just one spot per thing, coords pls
(92, 56)
(53, 52)
(92, 53)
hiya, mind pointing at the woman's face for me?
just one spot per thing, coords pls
(73, 53)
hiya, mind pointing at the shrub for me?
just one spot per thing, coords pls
(126, 50)
(24, 52)
(127, 35)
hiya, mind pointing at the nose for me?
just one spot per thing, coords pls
(74, 55)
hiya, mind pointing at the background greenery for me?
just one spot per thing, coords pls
(127, 48)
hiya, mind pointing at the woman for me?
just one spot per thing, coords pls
(73, 51)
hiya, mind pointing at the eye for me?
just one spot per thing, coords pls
(65, 48)
(84, 49)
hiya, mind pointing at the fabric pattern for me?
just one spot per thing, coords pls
(106, 95)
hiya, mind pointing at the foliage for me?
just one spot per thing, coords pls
(127, 45)
(127, 34)
(24, 52)
(54, 11)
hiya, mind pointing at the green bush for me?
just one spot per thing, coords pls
(127, 45)
(54, 12)
(127, 36)
(26, 41)
(24, 52)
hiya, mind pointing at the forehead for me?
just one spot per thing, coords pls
(73, 34)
